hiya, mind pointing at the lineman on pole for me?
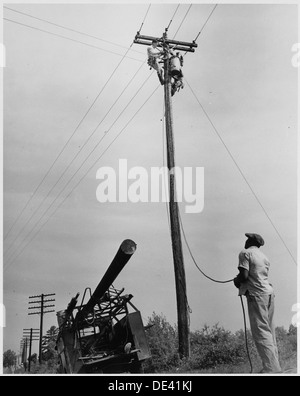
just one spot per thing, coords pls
(154, 59)
(176, 63)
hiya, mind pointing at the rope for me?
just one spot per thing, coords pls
(193, 258)
(246, 338)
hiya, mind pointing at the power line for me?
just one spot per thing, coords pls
(167, 28)
(206, 22)
(144, 18)
(204, 25)
(183, 20)
(76, 155)
(70, 29)
(70, 39)
(241, 173)
(66, 144)
(80, 180)
(94, 148)
(77, 126)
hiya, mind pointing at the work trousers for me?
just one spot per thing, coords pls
(261, 313)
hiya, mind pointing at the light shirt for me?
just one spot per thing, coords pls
(254, 261)
(153, 52)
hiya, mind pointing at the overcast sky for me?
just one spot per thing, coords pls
(242, 75)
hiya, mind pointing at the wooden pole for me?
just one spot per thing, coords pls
(30, 345)
(180, 281)
(41, 328)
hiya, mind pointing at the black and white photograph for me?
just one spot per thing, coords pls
(149, 191)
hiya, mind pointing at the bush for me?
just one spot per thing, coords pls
(162, 340)
(212, 348)
(215, 346)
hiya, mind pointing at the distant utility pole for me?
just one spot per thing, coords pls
(33, 335)
(41, 311)
(180, 281)
(23, 347)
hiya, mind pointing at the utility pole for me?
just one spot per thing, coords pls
(41, 307)
(180, 280)
(23, 345)
(33, 335)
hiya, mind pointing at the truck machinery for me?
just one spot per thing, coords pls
(102, 336)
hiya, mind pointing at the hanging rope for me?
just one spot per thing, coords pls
(246, 337)
(193, 258)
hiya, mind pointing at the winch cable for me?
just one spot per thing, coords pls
(218, 281)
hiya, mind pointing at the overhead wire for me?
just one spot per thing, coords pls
(75, 156)
(91, 152)
(84, 175)
(144, 18)
(205, 22)
(94, 148)
(68, 38)
(171, 20)
(66, 144)
(69, 29)
(190, 6)
(64, 147)
(203, 26)
(241, 172)
(88, 138)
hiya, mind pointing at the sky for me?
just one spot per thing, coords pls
(241, 74)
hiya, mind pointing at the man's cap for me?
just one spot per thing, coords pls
(256, 237)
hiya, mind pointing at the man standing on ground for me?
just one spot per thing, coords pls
(252, 281)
